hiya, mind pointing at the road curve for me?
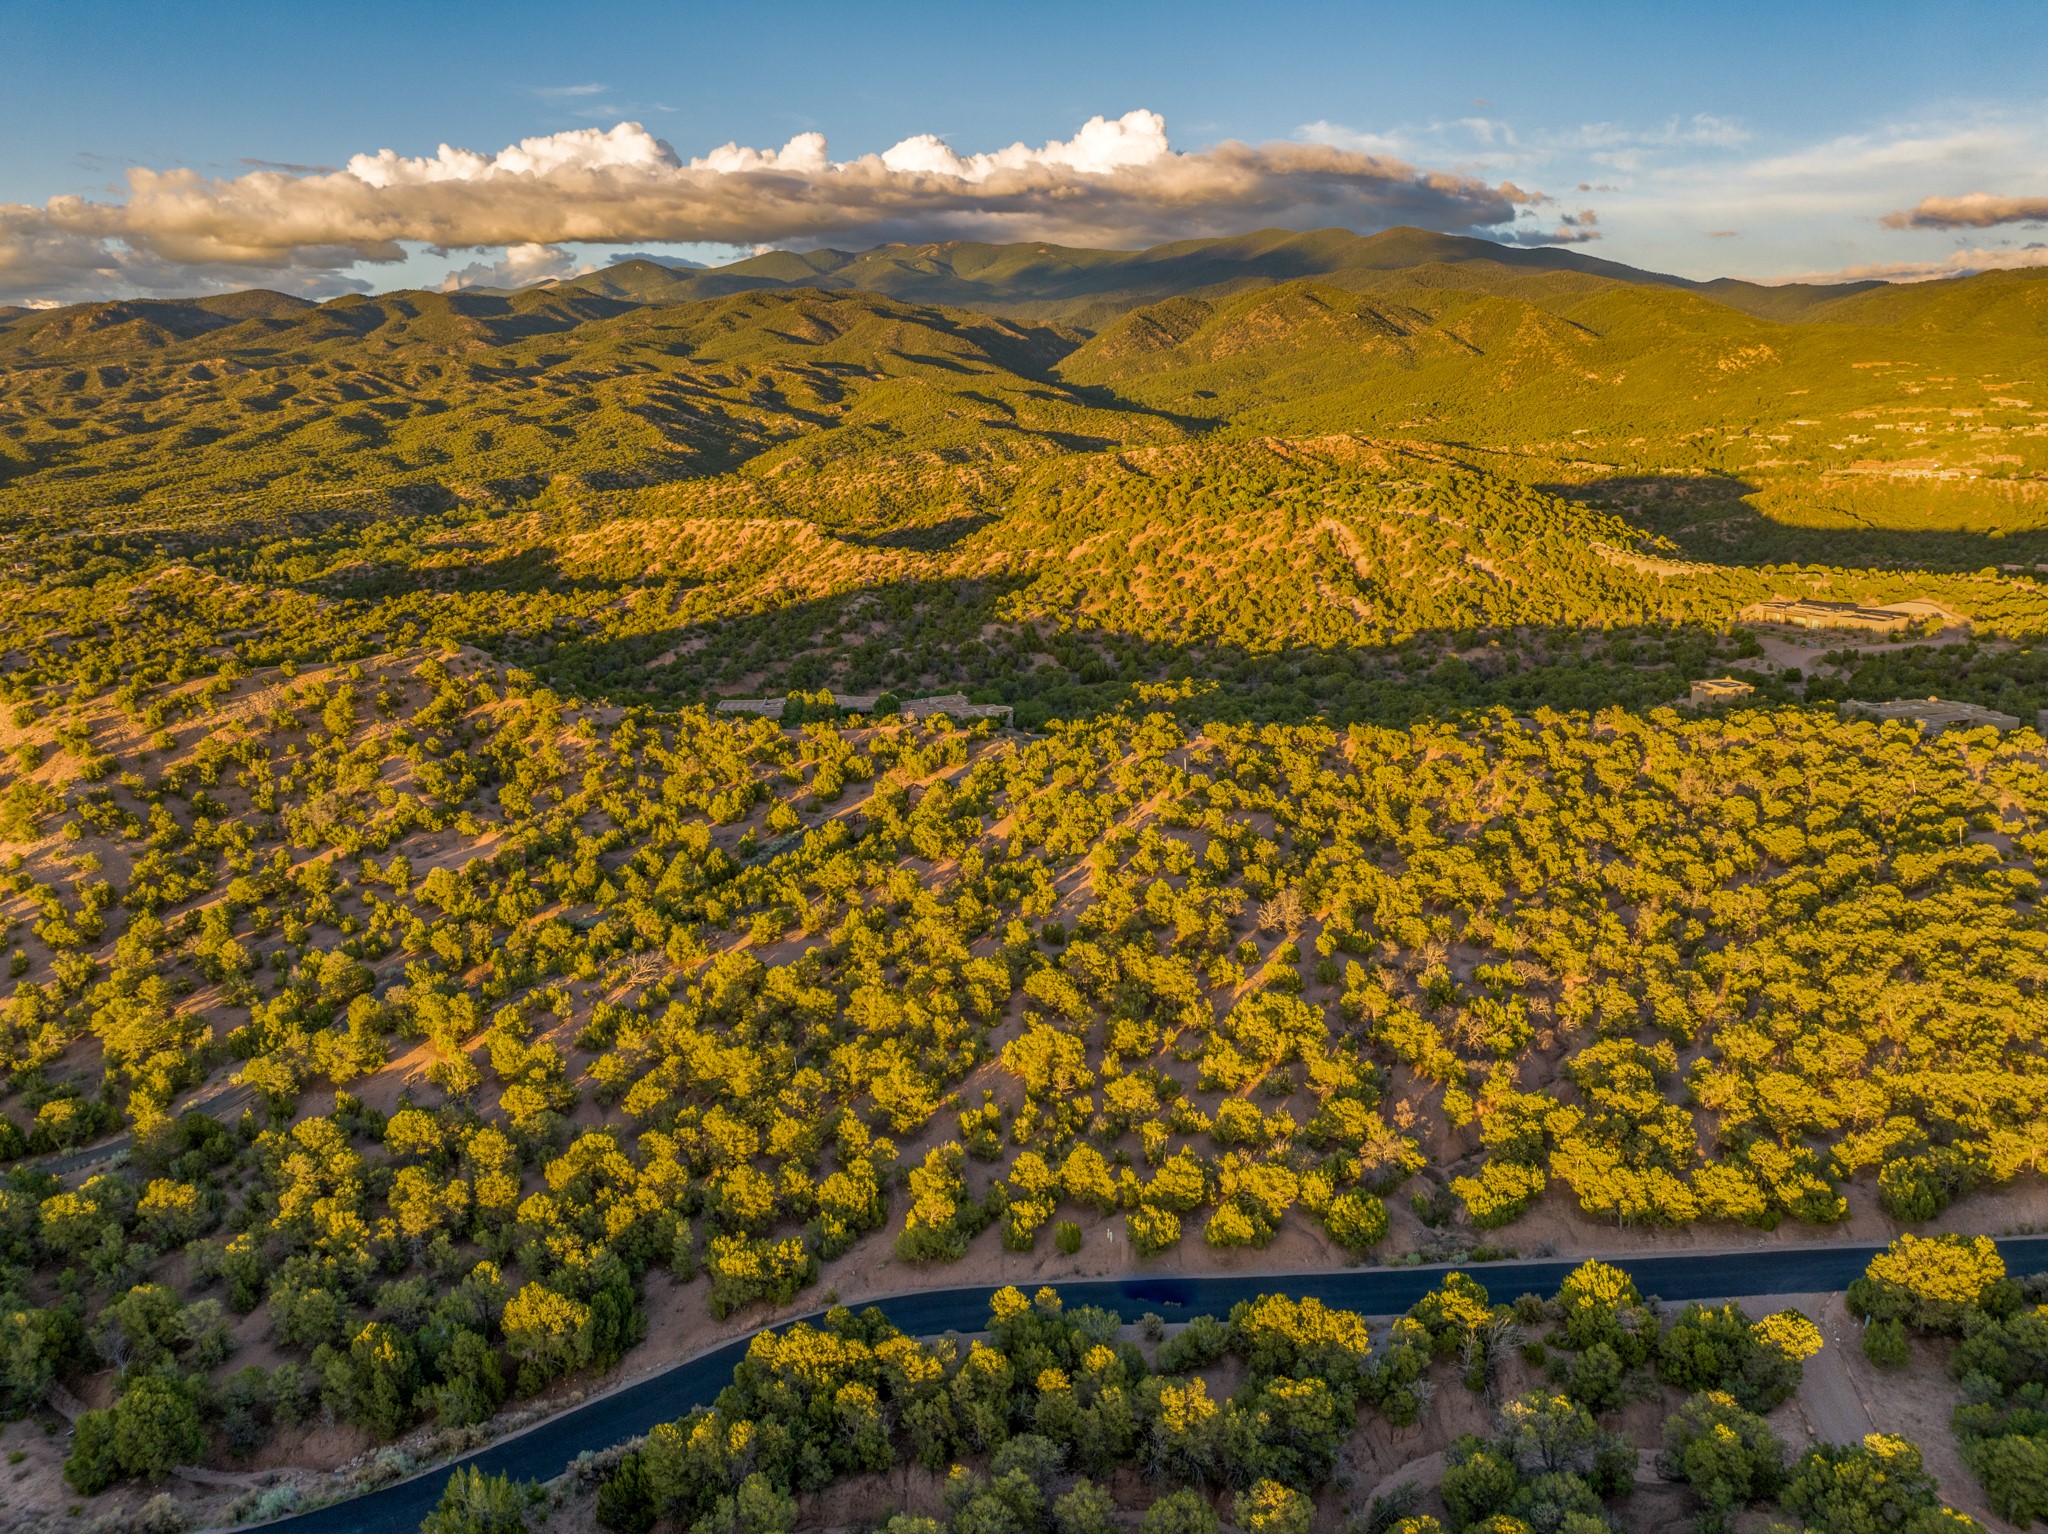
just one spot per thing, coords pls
(542, 1451)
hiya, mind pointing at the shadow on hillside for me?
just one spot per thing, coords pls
(475, 571)
(934, 538)
(183, 534)
(1718, 519)
(1102, 397)
(960, 635)
(953, 636)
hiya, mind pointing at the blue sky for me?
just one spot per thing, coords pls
(1766, 140)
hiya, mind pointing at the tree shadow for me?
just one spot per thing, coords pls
(1718, 519)
(932, 538)
(516, 573)
(954, 635)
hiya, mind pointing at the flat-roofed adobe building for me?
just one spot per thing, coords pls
(1718, 689)
(1831, 615)
(953, 705)
(1933, 715)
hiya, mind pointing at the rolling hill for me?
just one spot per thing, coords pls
(454, 395)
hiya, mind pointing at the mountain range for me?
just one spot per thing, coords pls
(1087, 287)
(1749, 422)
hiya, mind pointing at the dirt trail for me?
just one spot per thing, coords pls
(1828, 1398)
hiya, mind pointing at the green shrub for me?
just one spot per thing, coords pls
(475, 1503)
(2013, 1470)
(153, 1427)
(1152, 1230)
(1877, 1484)
(1356, 1221)
(1195, 1346)
(1884, 1344)
(1180, 1512)
(1933, 1284)
(1730, 1457)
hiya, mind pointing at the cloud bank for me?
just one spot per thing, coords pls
(1977, 210)
(1115, 182)
(1958, 263)
(1671, 193)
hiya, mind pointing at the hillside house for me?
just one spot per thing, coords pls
(1831, 615)
(953, 705)
(1933, 715)
(1720, 689)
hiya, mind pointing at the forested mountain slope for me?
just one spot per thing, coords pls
(1088, 287)
(1921, 415)
(1877, 414)
(438, 397)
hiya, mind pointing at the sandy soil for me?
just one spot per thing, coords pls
(1785, 647)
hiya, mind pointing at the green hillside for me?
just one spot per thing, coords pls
(672, 500)
(1913, 420)
(1914, 426)
(460, 395)
(1618, 360)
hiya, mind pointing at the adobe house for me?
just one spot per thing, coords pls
(1719, 689)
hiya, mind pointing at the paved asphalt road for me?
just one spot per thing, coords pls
(543, 1451)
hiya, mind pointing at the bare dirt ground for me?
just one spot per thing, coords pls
(1786, 647)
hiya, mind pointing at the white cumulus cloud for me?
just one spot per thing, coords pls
(521, 266)
(1116, 181)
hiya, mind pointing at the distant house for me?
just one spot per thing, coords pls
(1831, 615)
(774, 708)
(953, 705)
(1933, 715)
(1719, 689)
(767, 708)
